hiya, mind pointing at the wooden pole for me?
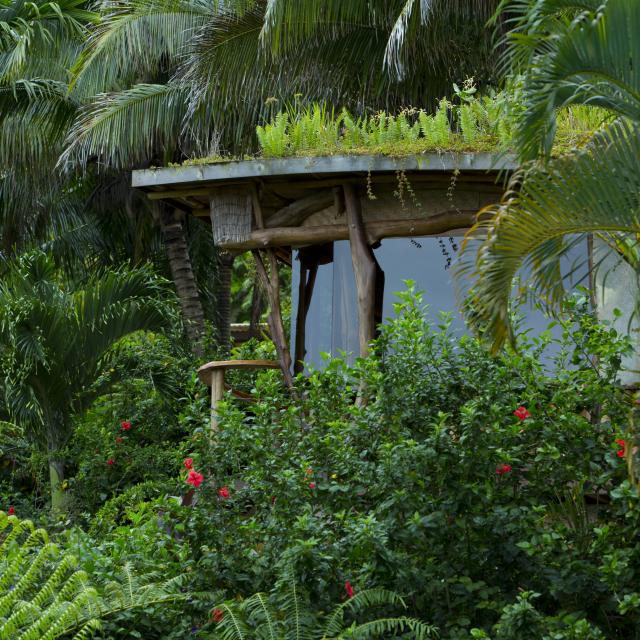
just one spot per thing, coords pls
(305, 291)
(271, 283)
(217, 393)
(364, 269)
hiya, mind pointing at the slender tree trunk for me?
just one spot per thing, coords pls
(56, 478)
(183, 277)
(257, 307)
(223, 301)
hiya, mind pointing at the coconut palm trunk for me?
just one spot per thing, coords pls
(183, 276)
(223, 299)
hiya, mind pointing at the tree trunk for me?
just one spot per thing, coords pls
(223, 301)
(183, 278)
(56, 478)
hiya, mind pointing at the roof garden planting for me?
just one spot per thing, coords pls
(468, 123)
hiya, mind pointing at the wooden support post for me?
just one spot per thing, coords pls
(364, 269)
(308, 275)
(271, 283)
(212, 374)
(217, 393)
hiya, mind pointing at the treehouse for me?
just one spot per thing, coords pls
(353, 229)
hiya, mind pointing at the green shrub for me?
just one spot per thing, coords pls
(434, 488)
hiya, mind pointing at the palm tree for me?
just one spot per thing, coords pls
(574, 53)
(39, 202)
(55, 341)
(212, 70)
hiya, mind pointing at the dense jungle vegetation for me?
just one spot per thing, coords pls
(470, 491)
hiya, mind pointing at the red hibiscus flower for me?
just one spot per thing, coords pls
(125, 425)
(195, 479)
(188, 463)
(11, 511)
(521, 413)
(119, 440)
(349, 589)
(111, 462)
(623, 448)
(503, 468)
(224, 492)
(312, 485)
(217, 615)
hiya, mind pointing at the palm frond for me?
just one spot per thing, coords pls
(594, 60)
(596, 190)
(126, 128)
(390, 627)
(137, 40)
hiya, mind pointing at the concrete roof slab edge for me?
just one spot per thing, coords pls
(326, 165)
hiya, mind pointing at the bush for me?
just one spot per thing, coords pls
(436, 487)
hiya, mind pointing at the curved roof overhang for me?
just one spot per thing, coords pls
(287, 191)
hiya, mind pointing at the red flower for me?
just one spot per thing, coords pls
(111, 462)
(11, 511)
(188, 463)
(195, 479)
(521, 413)
(623, 448)
(119, 440)
(309, 471)
(217, 615)
(125, 425)
(349, 589)
(224, 492)
(503, 468)
(312, 485)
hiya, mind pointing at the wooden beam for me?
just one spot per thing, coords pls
(364, 269)
(296, 212)
(179, 193)
(376, 230)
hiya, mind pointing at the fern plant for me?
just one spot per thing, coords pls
(44, 595)
(287, 614)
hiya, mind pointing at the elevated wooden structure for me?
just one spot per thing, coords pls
(272, 207)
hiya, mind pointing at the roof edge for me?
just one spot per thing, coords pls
(325, 165)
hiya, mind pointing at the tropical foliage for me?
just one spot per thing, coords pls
(54, 343)
(466, 494)
(44, 594)
(465, 480)
(292, 616)
(467, 123)
(588, 56)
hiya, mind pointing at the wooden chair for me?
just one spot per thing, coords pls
(212, 374)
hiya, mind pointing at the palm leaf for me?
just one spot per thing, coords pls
(596, 190)
(126, 128)
(594, 60)
(137, 40)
